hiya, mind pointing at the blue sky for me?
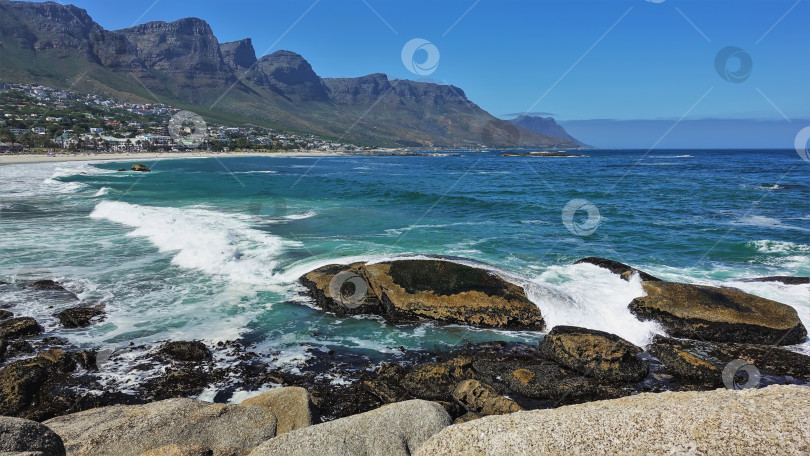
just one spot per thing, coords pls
(575, 59)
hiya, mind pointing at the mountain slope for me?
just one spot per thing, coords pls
(182, 63)
(544, 126)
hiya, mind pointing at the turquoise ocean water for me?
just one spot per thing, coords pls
(211, 248)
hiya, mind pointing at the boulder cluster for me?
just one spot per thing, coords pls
(463, 400)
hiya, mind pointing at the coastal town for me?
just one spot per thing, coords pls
(37, 119)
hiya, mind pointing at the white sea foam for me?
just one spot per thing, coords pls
(205, 240)
(301, 216)
(102, 192)
(591, 297)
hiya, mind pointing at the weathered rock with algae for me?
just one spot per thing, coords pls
(408, 291)
(595, 354)
(718, 314)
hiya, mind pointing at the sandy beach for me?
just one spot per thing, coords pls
(11, 159)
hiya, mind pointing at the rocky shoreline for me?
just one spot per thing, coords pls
(716, 338)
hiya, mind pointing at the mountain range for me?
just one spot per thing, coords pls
(182, 63)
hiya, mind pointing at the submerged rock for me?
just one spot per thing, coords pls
(141, 168)
(18, 327)
(28, 438)
(121, 169)
(395, 429)
(714, 422)
(134, 429)
(618, 268)
(594, 353)
(291, 406)
(408, 291)
(718, 314)
(53, 288)
(79, 317)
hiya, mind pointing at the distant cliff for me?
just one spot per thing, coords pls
(182, 63)
(543, 125)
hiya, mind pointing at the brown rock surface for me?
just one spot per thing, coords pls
(718, 314)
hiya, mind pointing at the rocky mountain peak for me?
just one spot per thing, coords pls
(238, 54)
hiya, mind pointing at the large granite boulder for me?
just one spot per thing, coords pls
(25, 437)
(391, 430)
(718, 314)
(14, 328)
(625, 271)
(708, 422)
(134, 429)
(291, 406)
(595, 354)
(408, 291)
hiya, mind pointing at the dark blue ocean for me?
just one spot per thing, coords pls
(211, 248)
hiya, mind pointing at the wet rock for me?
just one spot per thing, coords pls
(437, 380)
(121, 169)
(25, 437)
(46, 285)
(26, 385)
(395, 429)
(718, 314)
(18, 327)
(595, 354)
(291, 406)
(5, 314)
(53, 288)
(482, 399)
(188, 351)
(15, 348)
(141, 168)
(408, 291)
(134, 429)
(79, 317)
(183, 382)
(618, 268)
(704, 362)
(787, 280)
